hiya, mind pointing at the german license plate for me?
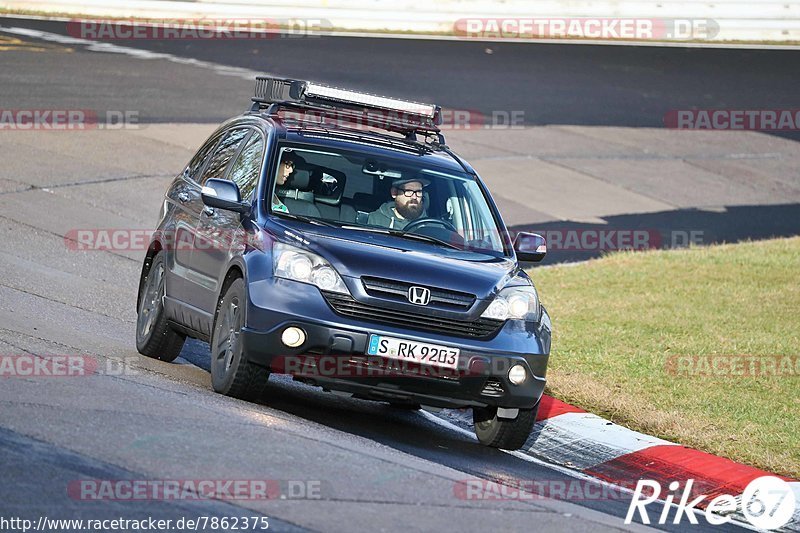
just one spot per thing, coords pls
(412, 351)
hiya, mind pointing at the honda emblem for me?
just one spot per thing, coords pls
(419, 295)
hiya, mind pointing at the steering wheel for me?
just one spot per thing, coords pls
(430, 221)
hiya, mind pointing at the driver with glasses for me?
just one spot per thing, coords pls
(406, 204)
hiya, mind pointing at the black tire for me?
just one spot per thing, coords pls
(154, 337)
(231, 373)
(405, 406)
(501, 432)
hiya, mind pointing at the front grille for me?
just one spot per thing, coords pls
(398, 291)
(348, 306)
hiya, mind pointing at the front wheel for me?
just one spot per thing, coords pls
(501, 432)
(231, 373)
(154, 336)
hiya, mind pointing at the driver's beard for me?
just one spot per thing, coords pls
(410, 211)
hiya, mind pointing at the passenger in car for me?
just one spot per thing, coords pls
(406, 204)
(285, 169)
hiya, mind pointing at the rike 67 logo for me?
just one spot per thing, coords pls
(767, 503)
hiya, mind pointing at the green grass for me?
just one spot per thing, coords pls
(617, 320)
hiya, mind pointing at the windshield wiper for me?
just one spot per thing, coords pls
(365, 228)
(304, 218)
(405, 235)
(420, 237)
(385, 231)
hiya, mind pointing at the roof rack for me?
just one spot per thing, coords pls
(360, 109)
(373, 138)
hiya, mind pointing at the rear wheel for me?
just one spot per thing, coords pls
(231, 373)
(502, 432)
(154, 337)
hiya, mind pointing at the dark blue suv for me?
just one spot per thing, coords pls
(333, 236)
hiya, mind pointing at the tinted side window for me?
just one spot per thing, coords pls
(199, 160)
(225, 151)
(247, 167)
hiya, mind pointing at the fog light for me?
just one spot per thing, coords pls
(293, 337)
(517, 374)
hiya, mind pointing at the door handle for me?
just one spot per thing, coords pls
(209, 211)
(183, 197)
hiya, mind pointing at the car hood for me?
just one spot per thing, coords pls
(357, 253)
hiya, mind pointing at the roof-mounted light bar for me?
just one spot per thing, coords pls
(370, 100)
(399, 114)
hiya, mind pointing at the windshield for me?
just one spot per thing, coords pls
(397, 196)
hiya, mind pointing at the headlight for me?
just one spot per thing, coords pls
(300, 265)
(515, 303)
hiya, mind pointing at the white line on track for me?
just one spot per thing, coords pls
(96, 46)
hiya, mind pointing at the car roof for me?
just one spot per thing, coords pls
(365, 141)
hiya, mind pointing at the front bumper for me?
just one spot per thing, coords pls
(333, 355)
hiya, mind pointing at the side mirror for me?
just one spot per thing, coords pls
(224, 194)
(530, 247)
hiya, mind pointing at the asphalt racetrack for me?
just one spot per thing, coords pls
(592, 153)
